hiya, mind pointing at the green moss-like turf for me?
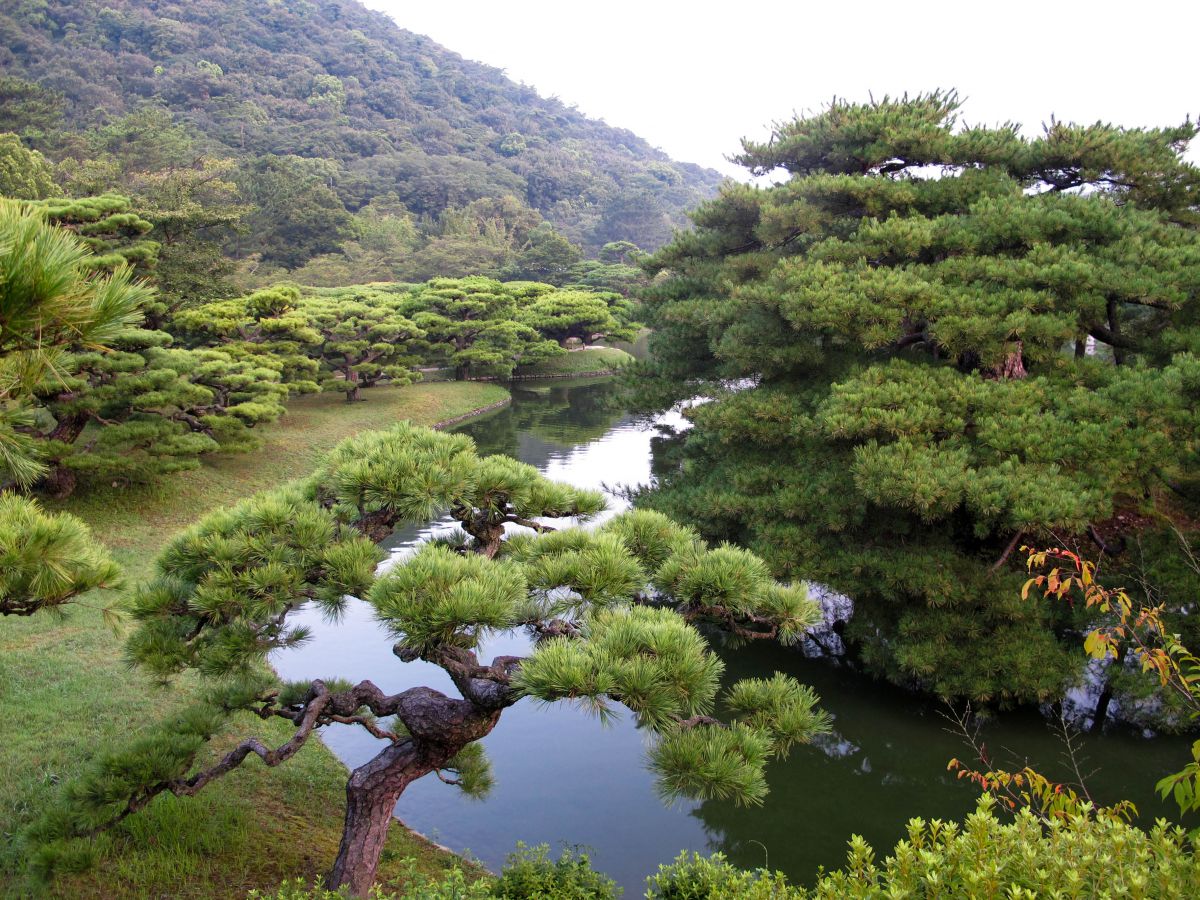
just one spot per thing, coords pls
(590, 361)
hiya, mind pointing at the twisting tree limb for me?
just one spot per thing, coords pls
(1012, 545)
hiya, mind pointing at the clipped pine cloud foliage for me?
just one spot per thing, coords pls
(47, 560)
(611, 612)
(442, 598)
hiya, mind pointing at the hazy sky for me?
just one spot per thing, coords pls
(693, 78)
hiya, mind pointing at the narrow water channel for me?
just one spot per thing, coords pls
(563, 778)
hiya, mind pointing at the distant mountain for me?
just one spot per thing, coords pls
(331, 79)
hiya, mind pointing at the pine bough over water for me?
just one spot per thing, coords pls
(614, 611)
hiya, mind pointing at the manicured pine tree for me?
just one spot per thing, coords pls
(148, 409)
(47, 560)
(266, 327)
(109, 228)
(580, 315)
(473, 325)
(50, 299)
(919, 394)
(365, 337)
(610, 609)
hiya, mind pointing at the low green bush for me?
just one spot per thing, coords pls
(530, 873)
(982, 857)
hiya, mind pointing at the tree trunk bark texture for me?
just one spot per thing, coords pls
(371, 795)
(1013, 367)
(440, 726)
(59, 482)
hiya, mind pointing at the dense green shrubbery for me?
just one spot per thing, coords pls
(982, 857)
(1084, 856)
(530, 872)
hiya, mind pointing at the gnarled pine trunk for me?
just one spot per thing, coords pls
(371, 795)
(440, 726)
(1013, 367)
(59, 482)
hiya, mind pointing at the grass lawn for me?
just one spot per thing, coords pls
(589, 361)
(66, 691)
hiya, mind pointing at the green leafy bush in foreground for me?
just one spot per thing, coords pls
(1083, 856)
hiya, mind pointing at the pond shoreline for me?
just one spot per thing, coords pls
(465, 417)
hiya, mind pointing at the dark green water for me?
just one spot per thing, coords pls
(563, 778)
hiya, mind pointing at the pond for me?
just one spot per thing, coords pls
(563, 778)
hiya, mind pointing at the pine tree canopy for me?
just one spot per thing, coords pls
(475, 324)
(580, 314)
(148, 408)
(47, 560)
(51, 299)
(942, 340)
(610, 611)
(108, 227)
(362, 340)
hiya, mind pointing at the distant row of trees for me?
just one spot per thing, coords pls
(178, 381)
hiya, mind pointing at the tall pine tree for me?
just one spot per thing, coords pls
(958, 339)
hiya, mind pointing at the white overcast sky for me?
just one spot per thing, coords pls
(694, 77)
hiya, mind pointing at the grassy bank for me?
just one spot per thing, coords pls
(66, 690)
(590, 361)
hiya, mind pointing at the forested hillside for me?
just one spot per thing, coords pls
(337, 120)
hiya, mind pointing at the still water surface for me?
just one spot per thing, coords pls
(563, 778)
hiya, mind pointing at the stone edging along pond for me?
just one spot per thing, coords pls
(446, 423)
(602, 373)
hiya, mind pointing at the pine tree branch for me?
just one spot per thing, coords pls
(1112, 338)
(1012, 545)
(732, 621)
(370, 726)
(487, 687)
(696, 721)
(529, 523)
(185, 787)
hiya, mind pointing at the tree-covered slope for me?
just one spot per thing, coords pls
(333, 80)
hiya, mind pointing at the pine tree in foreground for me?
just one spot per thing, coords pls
(47, 560)
(612, 610)
(50, 299)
